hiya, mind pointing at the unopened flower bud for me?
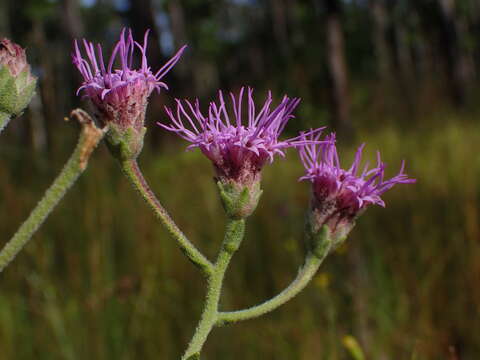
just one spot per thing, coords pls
(17, 85)
(239, 200)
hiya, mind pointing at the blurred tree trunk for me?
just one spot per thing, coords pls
(279, 24)
(403, 75)
(404, 56)
(206, 75)
(177, 16)
(458, 69)
(44, 113)
(4, 17)
(72, 22)
(337, 68)
(38, 131)
(141, 16)
(475, 29)
(360, 286)
(380, 18)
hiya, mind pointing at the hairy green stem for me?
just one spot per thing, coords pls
(133, 173)
(233, 237)
(313, 260)
(76, 165)
(312, 263)
(4, 119)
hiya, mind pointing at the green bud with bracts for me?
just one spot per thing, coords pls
(17, 85)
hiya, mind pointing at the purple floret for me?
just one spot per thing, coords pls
(120, 94)
(238, 139)
(343, 193)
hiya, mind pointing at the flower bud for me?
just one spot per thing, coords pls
(239, 200)
(17, 85)
(325, 216)
(320, 241)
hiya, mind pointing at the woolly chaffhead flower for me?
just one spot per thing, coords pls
(17, 85)
(239, 145)
(339, 195)
(239, 140)
(120, 95)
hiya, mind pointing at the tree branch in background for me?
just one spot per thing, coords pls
(337, 67)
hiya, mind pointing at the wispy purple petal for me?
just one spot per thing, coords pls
(347, 190)
(119, 93)
(237, 140)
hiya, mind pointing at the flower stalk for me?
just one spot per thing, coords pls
(233, 237)
(134, 175)
(313, 260)
(212, 317)
(90, 136)
(4, 120)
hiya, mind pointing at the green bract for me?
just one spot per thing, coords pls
(238, 200)
(125, 144)
(17, 85)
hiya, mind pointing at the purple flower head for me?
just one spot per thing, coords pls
(118, 91)
(339, 195)
(13, 57)
(239, 139)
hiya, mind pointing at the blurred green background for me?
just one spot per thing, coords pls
(102, 280)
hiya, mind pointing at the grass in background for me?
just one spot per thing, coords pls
(102, 280)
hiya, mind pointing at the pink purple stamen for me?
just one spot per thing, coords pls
(349, 189)
(100, 81)
(238, 144)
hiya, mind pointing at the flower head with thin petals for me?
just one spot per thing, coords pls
(339, 195)
(120, 93)
(238, 140)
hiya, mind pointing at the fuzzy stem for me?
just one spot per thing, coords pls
(134, 174)
(313, 260)
(75, 166)
(233, 237)
(4, 119)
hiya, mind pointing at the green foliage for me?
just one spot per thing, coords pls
(353, 347)
(400, 285)
(4, 119)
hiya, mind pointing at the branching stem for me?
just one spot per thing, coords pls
(89, 138)
(134, 174)
(4, 119)
(306, 273)
(233, 237)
